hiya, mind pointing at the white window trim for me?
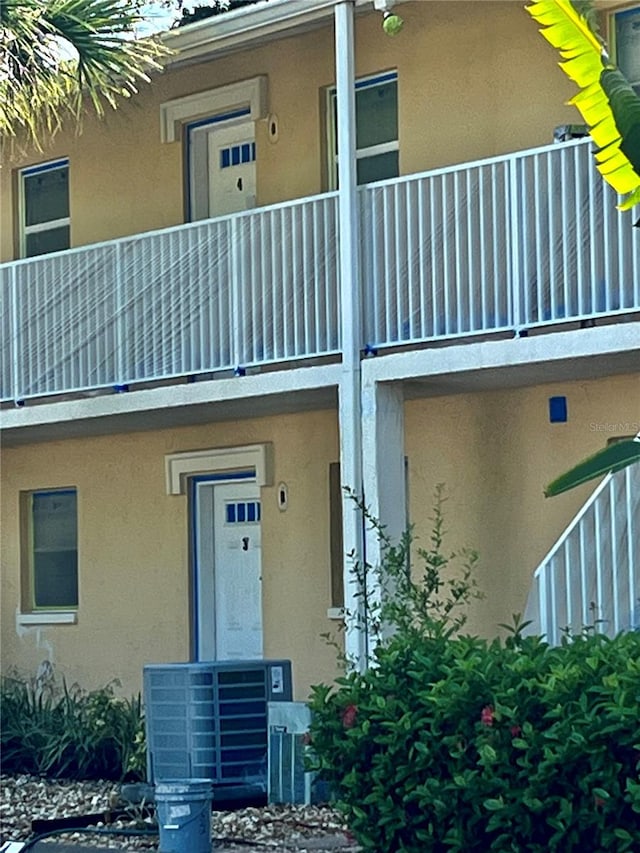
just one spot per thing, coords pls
(49, 225)
(47, 617)
(24, 229)
(180, 466)
(361, 153)
(34, 614)
(251, 93)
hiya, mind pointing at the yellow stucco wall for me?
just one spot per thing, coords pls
(475, 79)
(133, 549)
(495, 451)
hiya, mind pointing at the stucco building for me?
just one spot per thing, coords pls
(212, 319)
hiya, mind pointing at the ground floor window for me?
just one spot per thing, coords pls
(335, 536)
(50, 549)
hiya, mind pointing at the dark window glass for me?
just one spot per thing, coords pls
(46, 196)
(378, 167)
(55, 549)
(43, 242)
(377, 114)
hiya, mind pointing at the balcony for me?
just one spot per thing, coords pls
(532, 239)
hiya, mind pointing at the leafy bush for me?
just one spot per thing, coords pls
(454, 743)
(461, 744)
(49, 729)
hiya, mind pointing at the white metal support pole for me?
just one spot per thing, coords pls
(383, 473)
(351, 330)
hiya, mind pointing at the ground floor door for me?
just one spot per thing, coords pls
(227, 564)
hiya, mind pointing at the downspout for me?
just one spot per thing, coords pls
(349, 392)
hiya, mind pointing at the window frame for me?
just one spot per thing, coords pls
(24, 230)
(370, 81)
(611, 34)
(29, 606)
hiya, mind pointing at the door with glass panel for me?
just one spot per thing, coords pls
(228, 576)
(222, 169)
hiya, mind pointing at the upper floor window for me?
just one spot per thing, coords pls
(50, 555)
(625, 32)
(44, 208)
(377, 148)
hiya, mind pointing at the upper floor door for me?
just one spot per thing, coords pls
(222, 168)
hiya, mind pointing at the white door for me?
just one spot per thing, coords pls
(228, 571)
(222, 169)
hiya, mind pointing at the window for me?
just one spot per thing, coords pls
(625, 38)
(50, 540)
(336, 547)
(377, 148)
(44, 208)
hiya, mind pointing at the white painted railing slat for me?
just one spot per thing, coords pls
(509, 243)
(591, 577)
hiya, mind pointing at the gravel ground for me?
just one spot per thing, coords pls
(284, 828)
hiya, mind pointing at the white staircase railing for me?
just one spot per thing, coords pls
(591, 577)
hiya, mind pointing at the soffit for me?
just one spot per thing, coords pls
(248, 26)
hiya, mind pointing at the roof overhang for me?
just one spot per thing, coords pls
(249, 25)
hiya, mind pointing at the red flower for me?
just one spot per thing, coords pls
(516, 731)
(598, 801)
(349, 716)
(486, 717)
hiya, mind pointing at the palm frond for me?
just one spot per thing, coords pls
(613, 458)
(607, 102)
(54, 54)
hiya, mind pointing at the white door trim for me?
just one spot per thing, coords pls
(252, 457)
(251, 93)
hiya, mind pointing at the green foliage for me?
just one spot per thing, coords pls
(56, 56)
(50, 729)
(207, 10)
(606, 99)
(412, 588)
(455, 743)
(612, 458)
(464, 745)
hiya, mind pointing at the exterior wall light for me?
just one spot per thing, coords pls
(391, 23)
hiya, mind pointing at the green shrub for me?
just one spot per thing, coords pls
(454, 743)
(461, 744)
(49, 729)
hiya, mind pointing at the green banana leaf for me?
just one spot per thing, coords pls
(613, 458)
(607, 102)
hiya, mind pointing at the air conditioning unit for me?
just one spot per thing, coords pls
(567, 132)
(289, 780)
(209, 720)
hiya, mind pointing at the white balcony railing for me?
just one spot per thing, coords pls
(503, 244)
(591, 577)
(251, 288)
